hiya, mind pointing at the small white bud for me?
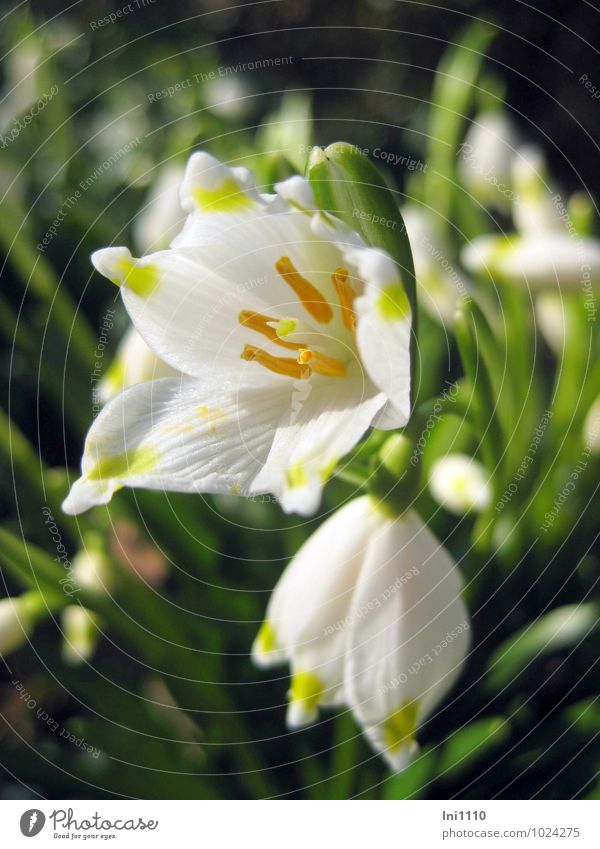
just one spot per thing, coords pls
(460, 484)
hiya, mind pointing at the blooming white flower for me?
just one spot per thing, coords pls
(292, 336)
(440, 283)
(368, 613)
(486, 157)
(460, 484)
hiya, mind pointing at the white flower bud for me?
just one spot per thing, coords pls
(460, 484)
(80, 634)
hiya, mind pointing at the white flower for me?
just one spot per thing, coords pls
(368, 613)
(543, 261)
(460, 484)
(486, 157)
(292, 336)
(440, 282)
(591, 428)
(546, 252)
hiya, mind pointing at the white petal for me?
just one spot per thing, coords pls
(327, 418)
(161, 217)
(183, 435)
(460, 484)
(296, 191)
(186, 304)
(409, 638)
(307, 617)
(250, 245)
(133, 363)
(210, 187)
(384, 327)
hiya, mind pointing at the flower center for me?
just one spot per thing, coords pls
(307, 359)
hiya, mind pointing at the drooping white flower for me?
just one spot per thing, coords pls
(292, 336)
(553, 260)
(440, 282)
(460, 484)
(486, 157)
(369, 613)
(546, 251)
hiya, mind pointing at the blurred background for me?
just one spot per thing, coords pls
(154, 694)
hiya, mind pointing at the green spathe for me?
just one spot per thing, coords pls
(346, 184)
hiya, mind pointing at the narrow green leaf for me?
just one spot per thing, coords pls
(560, 629)
(469, 745)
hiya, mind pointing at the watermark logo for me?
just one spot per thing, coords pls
(32, 822)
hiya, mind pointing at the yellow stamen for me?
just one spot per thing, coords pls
(321, 363)
(312, 300)
(280, 365)
(346, 294)
(260, 323)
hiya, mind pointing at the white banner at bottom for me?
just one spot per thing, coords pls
(300, 824)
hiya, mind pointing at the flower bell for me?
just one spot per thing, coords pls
(368, 614)
(291, 334)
